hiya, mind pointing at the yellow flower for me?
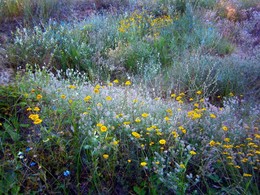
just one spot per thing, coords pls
(87, 98)
(192, 152)
(175, 134)
(157, 162)
(96, 90)
(116, 81)
(115, 143)
(244, 160)
(29, 109)
(103, 128)
(70, 101)
(167, 118)
(151, 143)
(143, 164)
(39, 96)
(63, 96)
(199, 92)
(135, 100)
(182, 166)
(136, 135)
(238, 167)
(227, 139)
(212, 143)
(72, 86)
(213, 116)
(162, 141)
(129, 160)
(97, 86)
(191, 99)
(105, 156)
(108, 98)
(257, 136)
(99, 124)
(36, 109)
(127, 123)
(173, 95)
(33, 90)
(224, 128)
(247, 175)
(145, 115)
(137, 120)
(231, 94)
(99, 104)
(127, 83)
(196, 105)
(1, 124)
(37, 121)
(34, 116)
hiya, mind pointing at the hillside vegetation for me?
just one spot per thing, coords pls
(130, 97)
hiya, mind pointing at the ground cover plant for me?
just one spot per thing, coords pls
(150, 99)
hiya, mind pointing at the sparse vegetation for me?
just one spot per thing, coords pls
(149, 99)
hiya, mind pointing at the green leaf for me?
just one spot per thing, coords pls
(10, 130)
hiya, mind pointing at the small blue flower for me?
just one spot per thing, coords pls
(32, 164)
(28, 149)
(66, 173)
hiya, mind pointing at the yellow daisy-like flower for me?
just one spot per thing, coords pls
(127, 83)
(96, 90)
(167, 118)
(182, 166)
(199, 92)
(108, 98)
(116, 81)
(36, 109)
(173, 95)
(70, 101)
(103, 128)
(213, 116)
(37, 121)
(34, 116)
(192, 152)
(87, 98)
(63, 96)
(129, 160)
(224, 128)
(143, 164)
(115, 143)
(137, 120)
(39, 96)
(135, 100)
(136, 135)
(105, 156)
(162, 141)
(145, 115)
(29, 109)
(212, 143)
(227, 139)
(247, 175)
(157, 162)
(72, 86)
(99, 125)
(175, 134)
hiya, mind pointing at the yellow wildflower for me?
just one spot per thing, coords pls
(36, 109)
(108, 98)
(175, 134)
(167, 118)
(192, 152)
(162, 141)
(37, 121)
(72, 86)
(105, 156)
(39, 96)
(29, 109)
(136, 135)
(145, 115)
(116, 81)
(173, 95)
(182, 166)
(63, 96)
(224, 128)
(247, 175)
(127, 83)
(212, 143)
(213, 116)
(103, 128)
(96, 90)
(199, 92)
(137, 120)
(143, 164)
(87, 98)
